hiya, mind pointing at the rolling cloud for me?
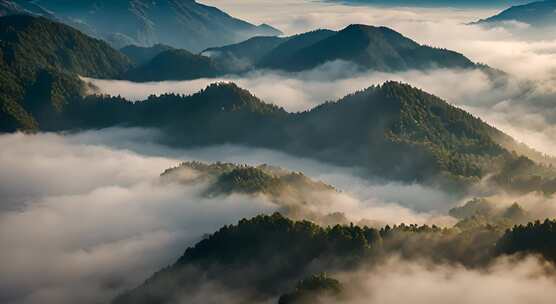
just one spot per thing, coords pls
(86, 215)
(399, 281)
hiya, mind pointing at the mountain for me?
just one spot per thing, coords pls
(274, 255)
(369, 47)
(376, 48)
(39, 64)
(175, 65)
(541, 14)
(294, 194)
(393, 131)
(178, 23)
(142, 55)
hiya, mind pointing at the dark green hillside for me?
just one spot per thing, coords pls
(175, 65)
(286, 250)
(39, 64)
(220, 113)
(533, 238)
(31, 43)
(398, 130)
(376, 48)
(141, 55)
(393, 131)
(274, 256)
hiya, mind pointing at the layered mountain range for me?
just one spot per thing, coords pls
(179, 23)
(306, 252)
(392, 130)
(369, 47)
(301, 260)
(365, 48)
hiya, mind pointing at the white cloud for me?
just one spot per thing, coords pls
(89, 216)
(399, 281)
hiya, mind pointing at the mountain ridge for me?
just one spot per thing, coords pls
(394, 131)
(146, 23)
(369, 47)
(539, 14)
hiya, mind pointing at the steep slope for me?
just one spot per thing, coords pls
(175, 65)
(178, 23)
(39, 64)
(141, 55)
(541, 14)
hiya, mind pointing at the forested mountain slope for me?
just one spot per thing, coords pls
(179, 23)
(368, 47)
(39, 64)
(274, 255)
(392, 130)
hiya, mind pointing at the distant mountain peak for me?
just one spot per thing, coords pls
(146, 22)
(538, 14)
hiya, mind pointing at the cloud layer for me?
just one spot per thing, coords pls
(86, 215)
(399, 281)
